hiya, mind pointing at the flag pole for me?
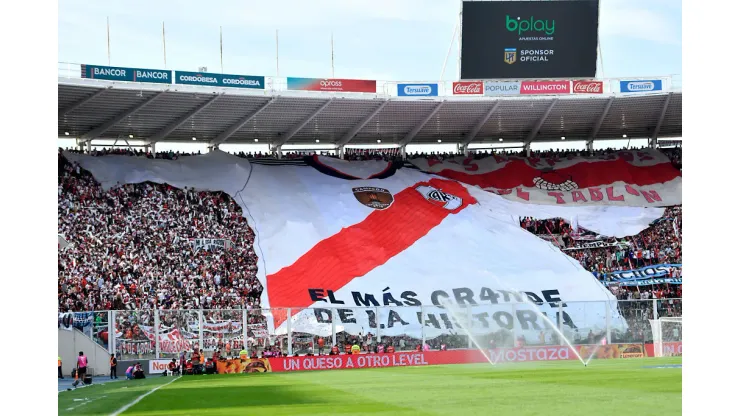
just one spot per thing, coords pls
(107, 21)
(221, 41)
(164, 46)
(277, 54)
(332, 54)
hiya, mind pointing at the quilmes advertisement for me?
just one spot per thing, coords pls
(332, 85)
(642, 85)
(418, 90)
(525, 39)
(114, 73)
(219, 80)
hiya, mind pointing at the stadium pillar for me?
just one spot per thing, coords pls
(290, 335)
(111, 332)
(244, 329)
(470, 325)
(156, 333)
(333, 329)
(377, 323)
(655, 308)
(560, 322)
(153, 148)
(590, 146)
(403, 152)
(200, 328)
(528, 148)
(608, 324)
(340, 152)
(278, 151)
(88, 146)
(423, 337)
(514, 331)
(463, 149)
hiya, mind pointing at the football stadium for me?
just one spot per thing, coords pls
(506, 239)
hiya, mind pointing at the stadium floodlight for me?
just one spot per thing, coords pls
(256, 140)
(130, 136)
(562, 137)
(439, 140)
(501, 139)
(317, 140)
(624, 136)
(194, 138)
(66, 133)
(378, 140)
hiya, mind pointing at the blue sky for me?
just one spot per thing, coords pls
(373, 39)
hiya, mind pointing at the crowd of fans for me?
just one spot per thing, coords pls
(130, 249)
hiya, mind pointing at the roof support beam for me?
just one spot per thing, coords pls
(356, 129)
(532, 134)
(295, 129)
(239, 124)
(410, 136)
(82, 102)
(654, 136)
(599, 122)
(97, 131)
(479, 125)
(180, 121)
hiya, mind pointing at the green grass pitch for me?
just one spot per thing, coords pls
(606, 387)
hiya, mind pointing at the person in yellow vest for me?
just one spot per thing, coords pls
(59, 367)
(243, 354)
(355, 348)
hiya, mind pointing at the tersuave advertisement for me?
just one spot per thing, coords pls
(525, 39)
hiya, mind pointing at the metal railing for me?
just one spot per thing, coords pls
(146, 334)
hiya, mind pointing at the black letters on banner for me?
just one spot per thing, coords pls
(345, 315)
(323, 316)
(436, 295)
(366, 300)
(553, 297)
(316, 295)
(463, 295)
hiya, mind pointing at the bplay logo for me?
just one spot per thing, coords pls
(522, 26)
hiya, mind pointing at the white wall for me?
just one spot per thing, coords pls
(70, 345)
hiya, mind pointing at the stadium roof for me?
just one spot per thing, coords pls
(95, 109)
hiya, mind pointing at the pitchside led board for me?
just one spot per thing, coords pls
(529, 39)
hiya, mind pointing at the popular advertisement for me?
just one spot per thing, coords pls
(332, 85)
(643, 85)
(219, 80)
(525, 39)
(418, 90)
(495, 88)
(467, 88)
(588, 87)
(545, 87)
(111, 73)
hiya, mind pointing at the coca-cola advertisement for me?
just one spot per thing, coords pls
(588, 87)
(332, 85)
(467, 88)
(545, 87)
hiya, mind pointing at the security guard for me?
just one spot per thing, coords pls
(243, 354)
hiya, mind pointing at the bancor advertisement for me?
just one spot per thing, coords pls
(332, 85)
(112, 73)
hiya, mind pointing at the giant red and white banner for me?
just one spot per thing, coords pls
(633, 178)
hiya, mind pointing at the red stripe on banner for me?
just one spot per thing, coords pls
(356, 250)
(585, 174)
